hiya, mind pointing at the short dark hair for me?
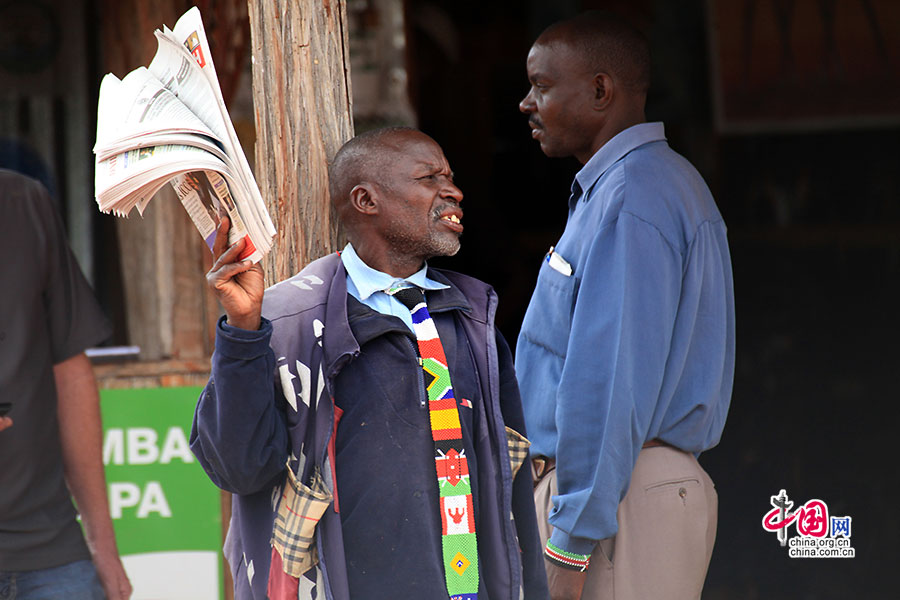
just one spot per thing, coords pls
(359, 158)
(608, 43)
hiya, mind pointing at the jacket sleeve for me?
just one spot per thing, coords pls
(239, 433)
(534, 576)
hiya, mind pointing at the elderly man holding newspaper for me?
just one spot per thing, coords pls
(365, 412)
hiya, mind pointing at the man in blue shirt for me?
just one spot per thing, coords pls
(626, 354)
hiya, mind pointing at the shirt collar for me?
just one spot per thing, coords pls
(368, 280)
(621, 144)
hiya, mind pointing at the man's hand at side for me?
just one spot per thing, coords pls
(238, 285)
(80, 436)
(565, 584)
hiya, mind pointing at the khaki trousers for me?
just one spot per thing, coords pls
(667, 528)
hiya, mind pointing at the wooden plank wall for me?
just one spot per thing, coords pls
(44, 109)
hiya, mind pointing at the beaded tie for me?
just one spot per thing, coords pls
(458, 541)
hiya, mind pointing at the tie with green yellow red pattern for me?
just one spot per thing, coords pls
(458, 540)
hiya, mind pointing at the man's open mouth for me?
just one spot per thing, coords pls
(452, 221)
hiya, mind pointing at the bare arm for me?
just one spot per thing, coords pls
(81, 439)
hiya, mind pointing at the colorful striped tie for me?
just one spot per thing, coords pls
(458, 541)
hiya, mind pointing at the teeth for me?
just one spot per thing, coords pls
(452, 219)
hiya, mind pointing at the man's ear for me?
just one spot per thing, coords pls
(604, 89)
(364, 199)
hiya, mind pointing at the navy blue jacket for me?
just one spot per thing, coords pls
(270, 397)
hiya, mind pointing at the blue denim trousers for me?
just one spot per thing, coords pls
(74, 581)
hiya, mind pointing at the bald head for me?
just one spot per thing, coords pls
(607, 43)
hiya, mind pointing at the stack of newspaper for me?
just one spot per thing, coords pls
(167, 124)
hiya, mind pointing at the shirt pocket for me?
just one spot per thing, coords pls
(673, 487)
(548, 320)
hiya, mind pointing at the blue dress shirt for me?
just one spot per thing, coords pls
(629, 335)
(367, 285)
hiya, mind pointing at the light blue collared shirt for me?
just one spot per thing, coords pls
(367, 285)
(629, 335)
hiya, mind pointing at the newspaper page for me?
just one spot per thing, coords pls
(205, 196)
(138, 110)
(193, 78)
(168, 124)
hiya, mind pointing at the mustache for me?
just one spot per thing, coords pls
(534, 120)
(439, 210)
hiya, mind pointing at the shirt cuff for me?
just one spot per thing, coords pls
(564, 544)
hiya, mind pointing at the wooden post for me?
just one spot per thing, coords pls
(301, 94)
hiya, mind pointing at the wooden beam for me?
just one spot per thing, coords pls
(302, 103)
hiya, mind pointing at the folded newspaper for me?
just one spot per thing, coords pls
(167, 124)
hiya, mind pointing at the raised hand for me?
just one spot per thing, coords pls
(238, 284)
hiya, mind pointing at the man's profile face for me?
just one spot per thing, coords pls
(559, 104)
(421, 216)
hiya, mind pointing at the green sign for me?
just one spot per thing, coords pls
(166, 512)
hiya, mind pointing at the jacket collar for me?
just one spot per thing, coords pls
(338, 342)
(323, 283)
(447, 298)
(368, 324)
